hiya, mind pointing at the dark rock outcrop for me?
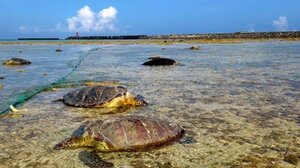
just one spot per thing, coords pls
(194, 48)
(160, 61)
(16, 61)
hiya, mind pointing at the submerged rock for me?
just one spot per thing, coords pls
(157, 61)
(16, 61)
(195, 48)
(58, 50)
(125, 133)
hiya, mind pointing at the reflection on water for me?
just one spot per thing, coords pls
(239, 103)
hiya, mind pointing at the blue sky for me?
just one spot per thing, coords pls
(62, 18)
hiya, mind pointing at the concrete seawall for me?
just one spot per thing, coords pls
(237, 35)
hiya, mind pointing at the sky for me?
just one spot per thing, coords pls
(63, 18)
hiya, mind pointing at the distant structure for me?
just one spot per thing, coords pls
(77, 35)
(127, 37)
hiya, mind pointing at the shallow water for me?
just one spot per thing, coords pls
(240, 102)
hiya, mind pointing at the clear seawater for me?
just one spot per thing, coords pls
(239, 102)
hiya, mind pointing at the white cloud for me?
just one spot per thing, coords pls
(281, 24)
(26, 29)
(36, 29)
(251, 27)
(58, 26)
(22, 28)
(87, 20)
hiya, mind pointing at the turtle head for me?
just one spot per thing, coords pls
(73, 143)
(66, 144)
(133, 100)
(140, 100)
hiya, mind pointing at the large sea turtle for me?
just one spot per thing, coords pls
(103, 96)
(16, 61)
(127, 133)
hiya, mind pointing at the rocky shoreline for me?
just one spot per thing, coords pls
(236, 35)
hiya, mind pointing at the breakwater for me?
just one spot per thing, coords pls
(132, 37)
(38, 38)
(236, 35)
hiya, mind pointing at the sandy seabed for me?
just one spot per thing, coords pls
(239, 102)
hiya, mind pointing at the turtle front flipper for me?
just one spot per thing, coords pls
(75, 142)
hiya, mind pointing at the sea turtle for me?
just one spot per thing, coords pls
(125, 133)
(16, 61)
(155, 61)
(103, 96)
